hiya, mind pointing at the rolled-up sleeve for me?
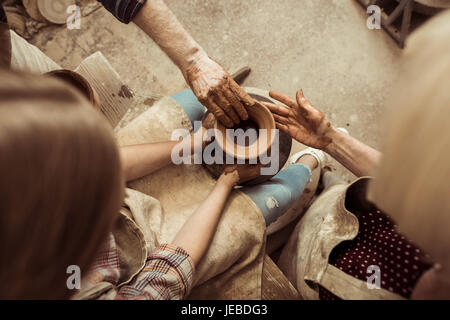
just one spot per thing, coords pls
(123, 10)
(167, 275)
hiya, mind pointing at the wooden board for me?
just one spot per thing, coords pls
(116, 97)
(275, 285)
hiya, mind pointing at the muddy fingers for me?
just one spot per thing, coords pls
(219, 114)
(237, 105)
(227, 107)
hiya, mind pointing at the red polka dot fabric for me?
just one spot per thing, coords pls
(400, 262)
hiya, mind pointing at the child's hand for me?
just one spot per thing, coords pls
(239, 173)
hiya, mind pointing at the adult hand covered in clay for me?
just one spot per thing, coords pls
(212, 85)
(217, 91)
(301, 120)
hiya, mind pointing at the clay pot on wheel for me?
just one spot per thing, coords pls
(260, 117)
(265, 120)
(78, 82)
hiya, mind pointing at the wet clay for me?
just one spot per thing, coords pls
(125, 92)
(285, 142)
(238, 137)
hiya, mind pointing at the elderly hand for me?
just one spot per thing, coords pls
(301, 120)
(217, 91)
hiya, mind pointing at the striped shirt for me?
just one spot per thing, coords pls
(123, 10)
(167, 274)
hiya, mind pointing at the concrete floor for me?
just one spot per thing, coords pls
(322, 46)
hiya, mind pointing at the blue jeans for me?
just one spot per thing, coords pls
(273, 197)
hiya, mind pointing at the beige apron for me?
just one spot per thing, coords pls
(327, 223)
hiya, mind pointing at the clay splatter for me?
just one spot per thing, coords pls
(149, 101)
(125, 92)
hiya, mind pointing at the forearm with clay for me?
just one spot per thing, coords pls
(356, 156)
(198, 231)
(143, 159)
(212, 84)
(158, 21)
(304, 122)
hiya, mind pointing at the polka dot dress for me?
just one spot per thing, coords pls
(400, 262)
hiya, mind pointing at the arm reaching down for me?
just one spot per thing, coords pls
(169, 269)
(143, 159)
(196, 234)
(213, 86)
(308, 125)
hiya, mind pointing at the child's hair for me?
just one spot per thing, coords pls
(61, 185)
(413, 179)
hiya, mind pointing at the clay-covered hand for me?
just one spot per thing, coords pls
(301, 120)
(241, 173)
(217, 91)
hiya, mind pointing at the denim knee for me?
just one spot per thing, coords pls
(190, 104)
(280, 193)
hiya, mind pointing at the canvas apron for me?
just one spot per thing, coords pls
(327, 223)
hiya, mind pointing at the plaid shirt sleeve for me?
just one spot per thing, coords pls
(167, 275)
(123, 10)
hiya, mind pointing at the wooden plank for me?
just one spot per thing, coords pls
(28, 58)
(275, 285)
(115, 96)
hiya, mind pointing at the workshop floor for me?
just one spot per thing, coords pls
(322, 46)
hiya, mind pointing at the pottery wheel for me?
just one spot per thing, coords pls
(55, 11)
(285, 144)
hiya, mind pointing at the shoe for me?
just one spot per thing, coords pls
(319, 155)
(343, 130)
